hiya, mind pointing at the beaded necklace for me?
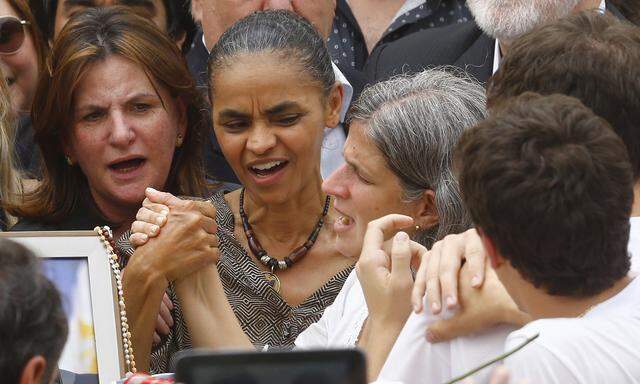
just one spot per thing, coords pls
(107, 240)
(271, 262)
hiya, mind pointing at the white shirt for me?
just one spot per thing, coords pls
(331, 156)
(497, 55)
(414, 360)
(341, 322)
(600, 347)
(634, 245)
(334, 138)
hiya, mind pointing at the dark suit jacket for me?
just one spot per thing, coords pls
(461, 45)
(216, 165)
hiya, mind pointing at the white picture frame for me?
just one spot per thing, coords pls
(104, 299)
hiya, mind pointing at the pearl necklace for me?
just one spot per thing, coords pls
(107, 240)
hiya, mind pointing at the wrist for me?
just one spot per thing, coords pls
(143, 274)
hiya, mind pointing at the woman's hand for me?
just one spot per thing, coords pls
(384, 272)
(438, 274)
(386, 277)
(153, 215)
(479, 309)
(164, 322)
(188, 241)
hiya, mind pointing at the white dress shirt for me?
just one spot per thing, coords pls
(334, 138)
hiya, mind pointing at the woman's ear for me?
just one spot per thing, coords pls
(183, 120)
(334, 105)
(426, 214)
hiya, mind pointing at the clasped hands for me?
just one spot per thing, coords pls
(188, 243)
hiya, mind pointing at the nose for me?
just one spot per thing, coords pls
(278, 4)
(337, 183)
(261, 140)
(122, 133)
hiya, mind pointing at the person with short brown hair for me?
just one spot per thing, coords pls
(549, 187)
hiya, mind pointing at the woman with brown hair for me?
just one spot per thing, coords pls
(10, 183)
(22, 56)
(116, 112)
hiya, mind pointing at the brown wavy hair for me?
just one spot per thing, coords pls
(87, 38)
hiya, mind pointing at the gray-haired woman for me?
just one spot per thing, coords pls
(398, 161)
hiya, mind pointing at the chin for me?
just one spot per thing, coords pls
(348, 246)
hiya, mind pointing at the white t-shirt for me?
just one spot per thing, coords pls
(415, 360)
(634, 244)
(601, 347)
(341, 322)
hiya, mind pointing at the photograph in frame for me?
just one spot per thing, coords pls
(78, 265)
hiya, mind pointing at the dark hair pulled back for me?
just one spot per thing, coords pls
(277, 31)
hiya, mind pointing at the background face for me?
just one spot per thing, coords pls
(151, 9)
(219, 15)
(508, 19)
(20, 69)
(124, 132)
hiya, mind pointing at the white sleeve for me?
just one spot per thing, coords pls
(317, 334)
(414, 360)
(535, 363)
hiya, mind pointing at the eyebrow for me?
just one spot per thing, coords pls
(134, 97)
(282, 107)
(149, 4)
(232, 114)
(68, 4)
(276, 109)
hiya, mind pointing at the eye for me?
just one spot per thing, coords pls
(92, 116)
(288, 120)
(235, 125)
(365, 181)
(141, 107)
(353, 171)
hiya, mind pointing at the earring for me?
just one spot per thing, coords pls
(69, 161)
(417, 228)
(179, 141)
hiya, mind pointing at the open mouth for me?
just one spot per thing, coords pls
(268, 169)
(343, 222)
(127, 166)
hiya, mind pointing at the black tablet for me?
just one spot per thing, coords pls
(295, 367)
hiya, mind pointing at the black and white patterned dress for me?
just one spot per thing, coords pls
(265, 316)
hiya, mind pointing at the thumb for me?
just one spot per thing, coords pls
(164, 198)
(401, 256)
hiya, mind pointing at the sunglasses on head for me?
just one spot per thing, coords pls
(11, 34)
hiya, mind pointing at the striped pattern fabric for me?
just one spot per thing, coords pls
(264, 315)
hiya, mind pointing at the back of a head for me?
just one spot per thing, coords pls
(592, 57)
(550, 184)
(415, 121)
(32, 321)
